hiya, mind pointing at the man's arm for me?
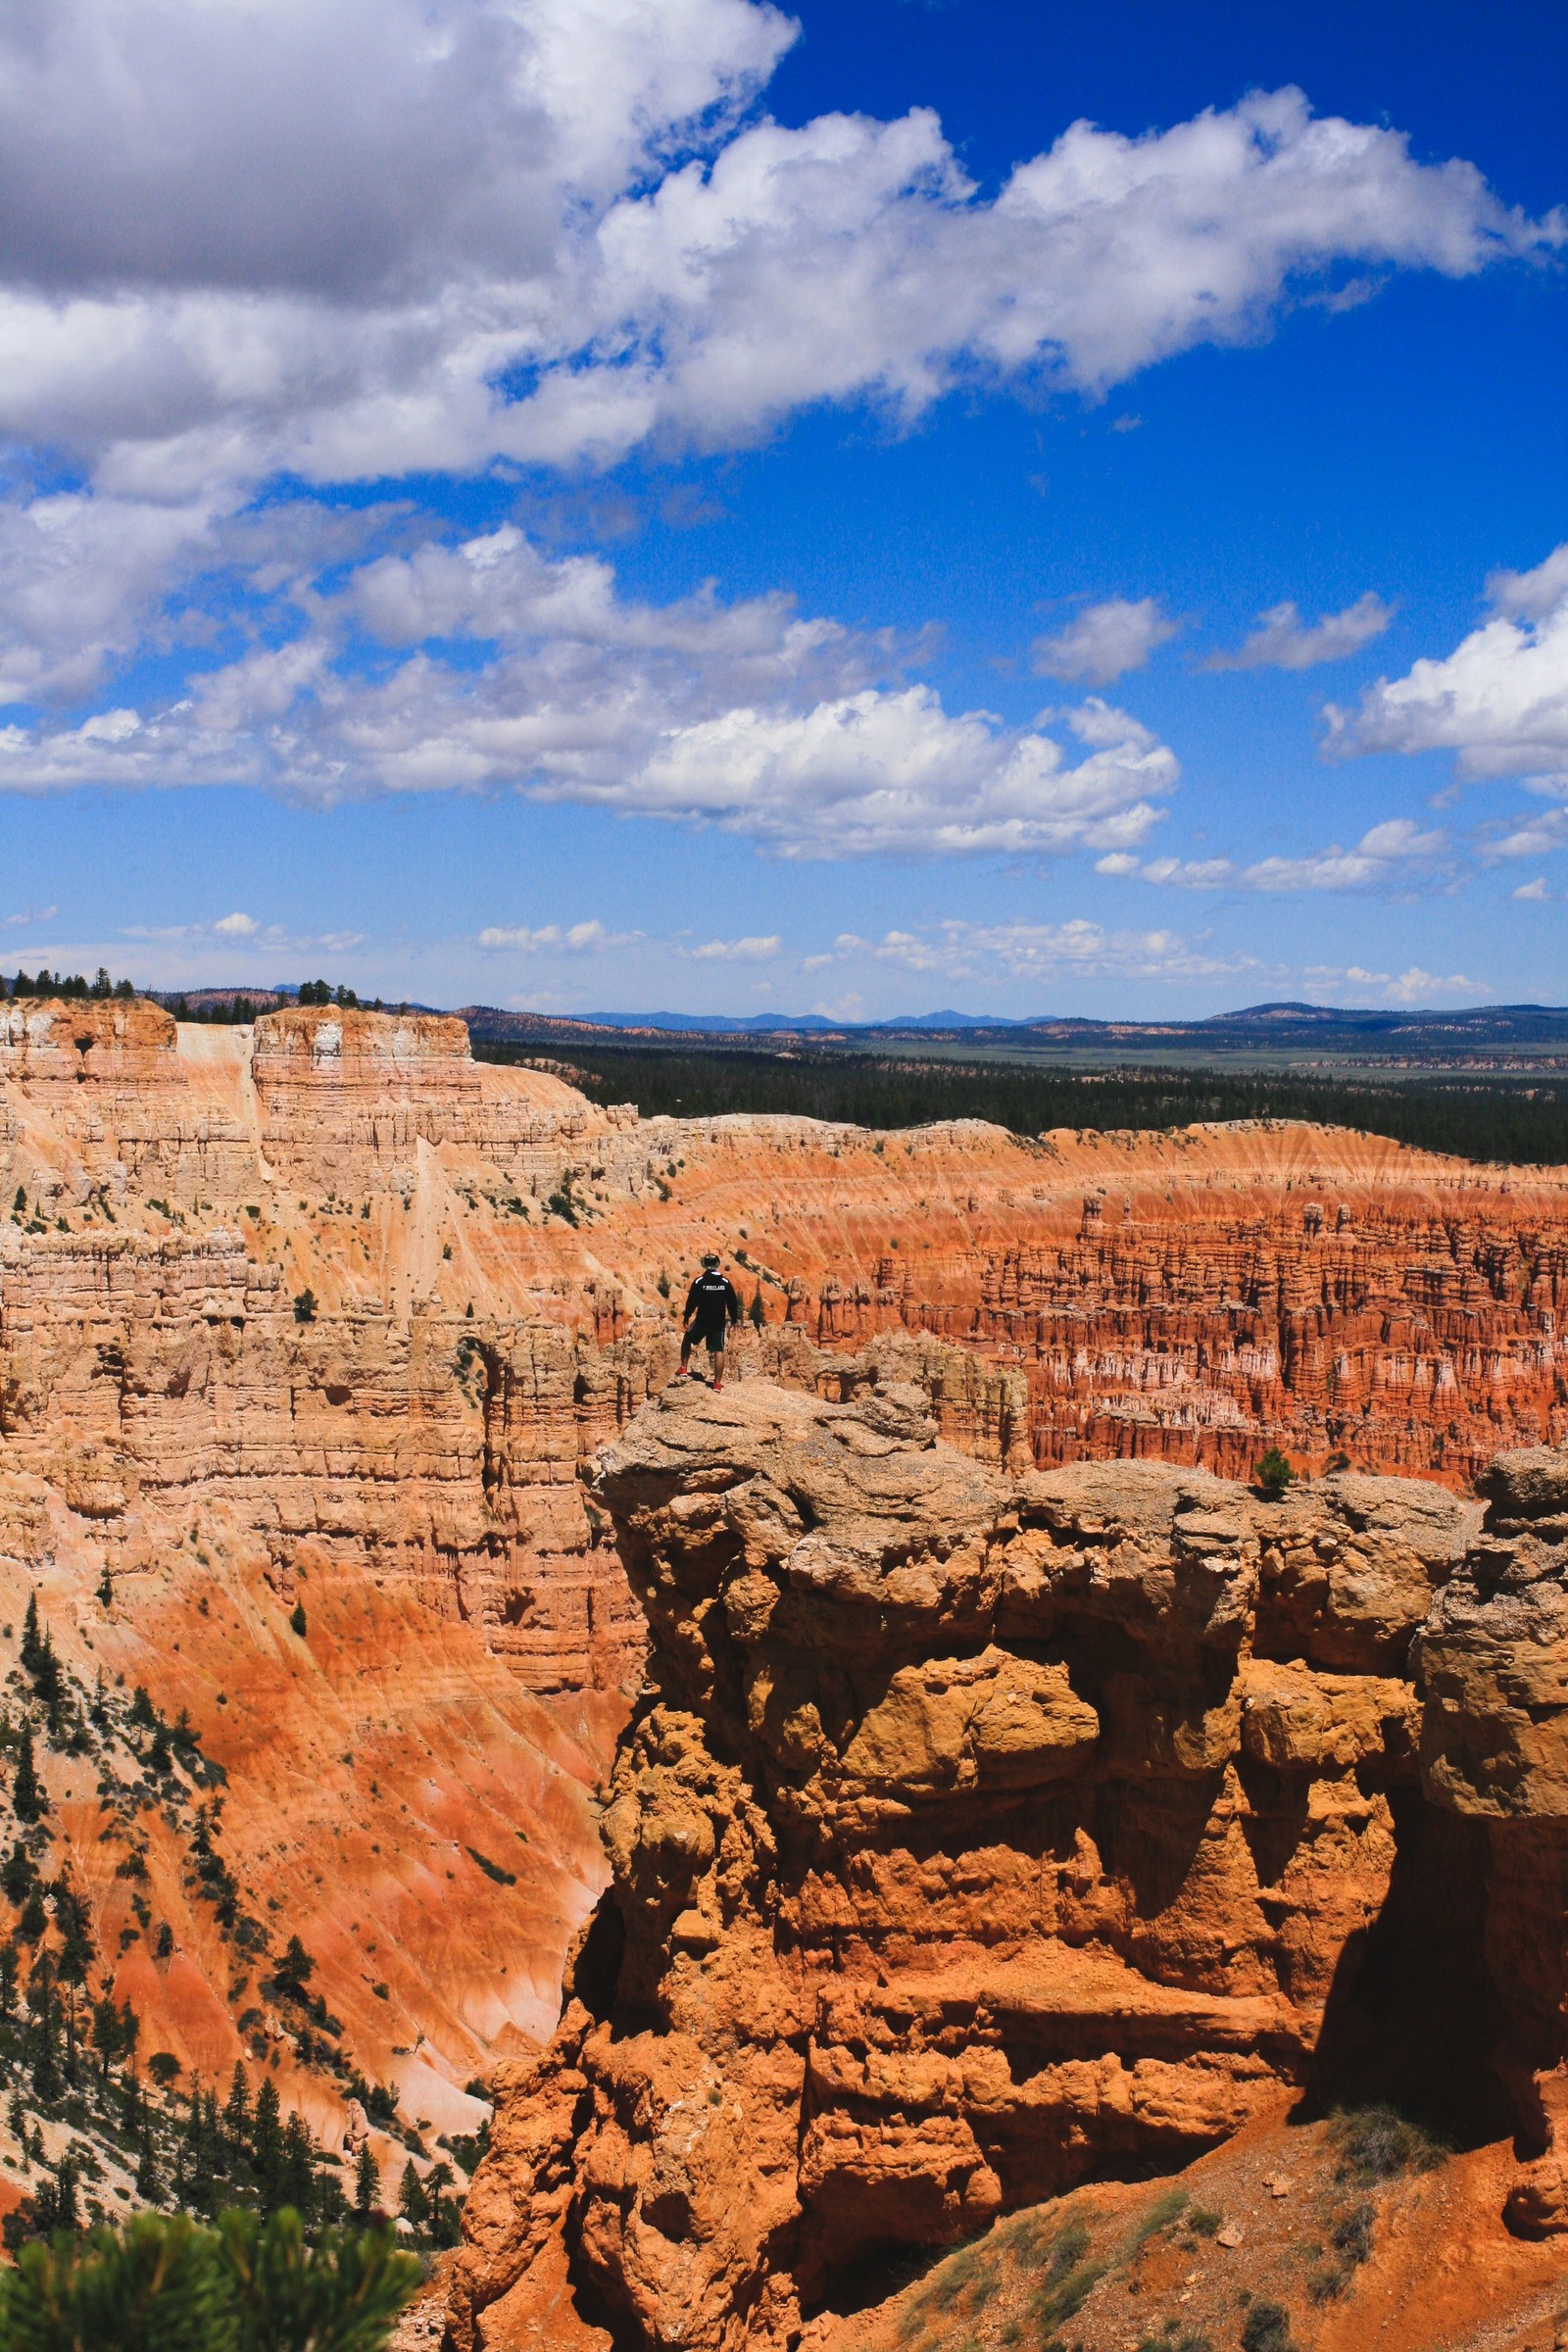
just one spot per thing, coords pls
(733, 1302)
(693, 1297)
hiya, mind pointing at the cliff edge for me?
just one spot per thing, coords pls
(978, 1835)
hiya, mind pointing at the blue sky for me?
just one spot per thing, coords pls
(661, 503)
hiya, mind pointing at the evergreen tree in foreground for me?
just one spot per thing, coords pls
(243, 2286)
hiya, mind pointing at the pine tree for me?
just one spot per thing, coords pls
(412, 2203)
(66, 2212)
(162, 2279)
(44, 2009)
(27, 1799)
(46, 1677)
(133, 2105)
(28, 1652)
(18, 1874)
(757, 1311)
(366, 2184)
(149, 2180)
(105, 2033)
(8, 1980)
(237, 2113)
(295, 1970)
(266, 2141)
(298, 2181)
(46, 2083)
(33, 1925)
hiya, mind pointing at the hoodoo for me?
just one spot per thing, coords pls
(977, 1835)
(317, 1323)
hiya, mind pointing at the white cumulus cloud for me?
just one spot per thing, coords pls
(1104, 642)
(1499, 701)
(356, 238)
(755, 950)
(1282, 640)
(880, 772)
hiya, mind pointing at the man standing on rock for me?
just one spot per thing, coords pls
(713, 1304)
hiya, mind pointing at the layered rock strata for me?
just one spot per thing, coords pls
(976, 1835)
(322, 1311)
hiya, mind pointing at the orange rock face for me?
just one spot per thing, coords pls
(324, 1312)
(975, 1836)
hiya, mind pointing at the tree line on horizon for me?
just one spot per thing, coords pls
(1471, 1117)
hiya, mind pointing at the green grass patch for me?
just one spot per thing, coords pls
(1165, 2209)
(1070, 2277)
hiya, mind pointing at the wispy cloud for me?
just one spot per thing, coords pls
(589, 937)
(1282, 640)
(1395, 856)
(958, 949)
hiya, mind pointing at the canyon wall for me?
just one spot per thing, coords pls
(976, 1835)
(324, 1314)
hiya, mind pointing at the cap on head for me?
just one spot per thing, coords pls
(709, 1257)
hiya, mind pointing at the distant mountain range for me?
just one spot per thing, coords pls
(1488, 1030)
(1537, 1034)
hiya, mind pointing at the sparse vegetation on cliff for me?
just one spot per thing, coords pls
(91, 2115)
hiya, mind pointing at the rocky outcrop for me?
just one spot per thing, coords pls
(979, 1833)
(1492, 1663)
(321, 1310)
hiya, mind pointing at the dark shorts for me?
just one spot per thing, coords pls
(710, 1335)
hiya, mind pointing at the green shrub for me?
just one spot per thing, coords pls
(1352, 2233)
(1274, 1474)
(1267, 2329)
(1202, 2221)
(1379, 2143)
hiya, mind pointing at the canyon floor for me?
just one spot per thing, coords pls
(307, 1332)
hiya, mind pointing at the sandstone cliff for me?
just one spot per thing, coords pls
(324, 1313)
(979, 1834)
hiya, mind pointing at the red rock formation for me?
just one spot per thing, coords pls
(357, 1310)
(974, 1836)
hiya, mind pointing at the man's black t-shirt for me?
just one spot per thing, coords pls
(713, 1301)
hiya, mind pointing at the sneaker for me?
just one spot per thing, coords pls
(718, 1384)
